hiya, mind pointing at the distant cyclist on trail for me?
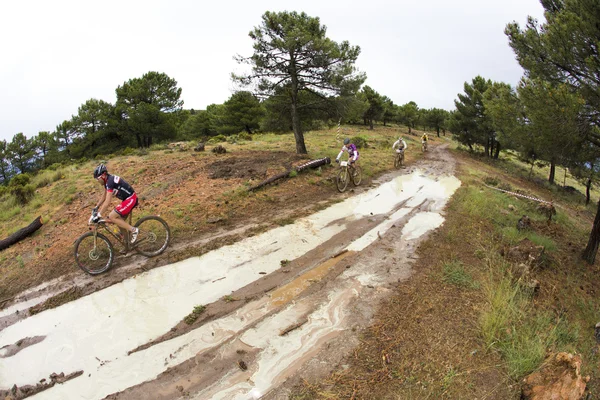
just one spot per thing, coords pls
(115, 186)
(351, 149)
(424, 138)
(399, 145)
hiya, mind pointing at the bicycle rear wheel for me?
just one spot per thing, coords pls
(398, 160)
(154, 236)
(342, 180)
(357, 176)
(94, 255)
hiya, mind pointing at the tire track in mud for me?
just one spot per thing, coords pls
(319, 305)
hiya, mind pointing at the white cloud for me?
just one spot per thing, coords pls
(58, 54)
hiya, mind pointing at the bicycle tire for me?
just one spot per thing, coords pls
(357, 176)
(93, 259)
(341, 180)
(398, 160)
(154, 236)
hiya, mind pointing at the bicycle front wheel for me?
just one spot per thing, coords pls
(154, 236)
(398, 161)
(342, 180)
(357, 175)
(93, 253)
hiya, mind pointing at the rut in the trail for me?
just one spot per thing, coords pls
(95, 333)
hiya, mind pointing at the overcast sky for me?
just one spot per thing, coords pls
(58, 54)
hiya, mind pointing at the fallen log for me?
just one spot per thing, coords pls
(21, 234)
(311, 164)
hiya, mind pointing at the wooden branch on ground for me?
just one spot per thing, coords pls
(21, 233)
(311, 164)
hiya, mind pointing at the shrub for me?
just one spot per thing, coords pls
(20, 180)
(23, 193)
(360, 142)
(217, 139)
(20, 187)
(128, 151)
(245, 136)
(232, 139)
(491, 180)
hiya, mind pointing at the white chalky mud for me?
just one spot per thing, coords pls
(95, 332)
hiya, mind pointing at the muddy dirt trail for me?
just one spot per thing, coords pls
(284, 304)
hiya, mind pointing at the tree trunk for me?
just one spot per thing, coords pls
(370, 124)
(139, 140)
(409, 130)
(21, 234)
(311, 164)
(248, 129)
(589, 254)
(438, 131)
(497, 153)
(531, 169)
(300, 146)
(588, 186)
(552, 171)
(487, 147)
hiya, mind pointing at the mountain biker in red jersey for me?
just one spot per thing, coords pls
(115, 186)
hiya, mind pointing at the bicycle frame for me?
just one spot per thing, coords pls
(399, 159)
(347, 165)
(118, 236)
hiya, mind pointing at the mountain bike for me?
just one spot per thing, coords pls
(348, 172)
(424, 146)
(399, 159)
(94, 251)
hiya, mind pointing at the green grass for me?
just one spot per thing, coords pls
(193, 316)
(510, 324)
(229, 299)
(454, 273)
(47, 177)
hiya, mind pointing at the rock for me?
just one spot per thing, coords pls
(181, 145)
(547, 209)
(569, 189)
(526, 252)
(558, 378)
(511, 207)
(533, 285)
(219, 150)
(521, 271)
(524, 223)
(199, 147)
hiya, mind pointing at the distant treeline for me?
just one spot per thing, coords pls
(149, 110)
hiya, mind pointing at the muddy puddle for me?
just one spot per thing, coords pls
(95, 333)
